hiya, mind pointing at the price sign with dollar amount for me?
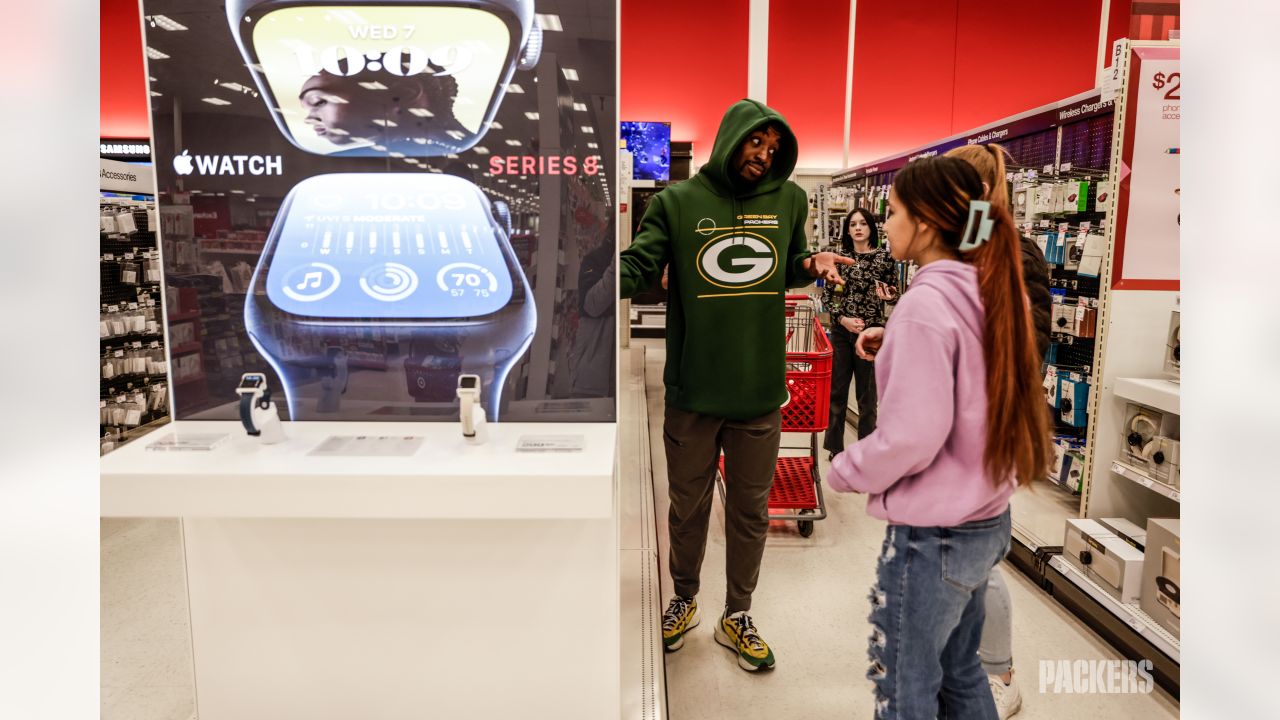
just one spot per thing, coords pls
(1173, 81)
(1149, 218)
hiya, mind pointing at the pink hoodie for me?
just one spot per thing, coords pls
(923, 464)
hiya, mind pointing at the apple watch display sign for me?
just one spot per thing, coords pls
(370, 80)
(365, 200)
(409, 246)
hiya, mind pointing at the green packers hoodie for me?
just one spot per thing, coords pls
(733, 250)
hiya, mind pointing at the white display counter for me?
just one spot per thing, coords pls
(467, 581)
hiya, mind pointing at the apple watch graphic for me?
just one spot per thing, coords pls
(378, 275)
(384, 77)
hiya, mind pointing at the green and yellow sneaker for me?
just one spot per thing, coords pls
(739, 634)
(681, 617)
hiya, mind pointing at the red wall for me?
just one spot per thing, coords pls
(685, 62)
(1004, 65)
(122, 75)
(903, 72)
(807, 70)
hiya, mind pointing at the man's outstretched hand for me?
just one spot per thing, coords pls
(826, 265)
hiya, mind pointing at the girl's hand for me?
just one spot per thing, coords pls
(869, 342)
(885, 292)
(853, 325)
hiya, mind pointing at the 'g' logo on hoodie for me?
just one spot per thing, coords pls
(737, 260)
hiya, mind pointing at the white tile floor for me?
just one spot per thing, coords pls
(145, 623)
(811, 607)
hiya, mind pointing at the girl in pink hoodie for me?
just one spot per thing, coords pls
(962, 416)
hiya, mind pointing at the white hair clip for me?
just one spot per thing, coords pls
(985, 226)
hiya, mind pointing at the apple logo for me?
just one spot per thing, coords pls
(182, 164)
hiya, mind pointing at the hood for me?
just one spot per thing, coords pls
(739, 121)
(957, 285)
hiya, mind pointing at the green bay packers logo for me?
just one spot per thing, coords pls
(737, 260)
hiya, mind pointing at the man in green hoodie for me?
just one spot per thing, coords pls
(734, 239)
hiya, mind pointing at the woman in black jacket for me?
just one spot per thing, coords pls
(854, 306)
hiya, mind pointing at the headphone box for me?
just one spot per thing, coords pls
(1073, 401)
(1150, 442)
(1162, 574)
(1113, 564)
(1173, 347)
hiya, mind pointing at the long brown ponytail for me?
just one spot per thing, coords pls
(937, 191)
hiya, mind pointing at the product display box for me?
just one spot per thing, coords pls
(1161, 574)
(1151, 443)
(1112, 563)
(1173, 346)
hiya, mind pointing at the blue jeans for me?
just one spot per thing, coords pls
(927, 612)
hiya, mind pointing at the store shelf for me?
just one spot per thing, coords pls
(1131, 614)
(1128, 471)
(1152, 392)
(188, 347)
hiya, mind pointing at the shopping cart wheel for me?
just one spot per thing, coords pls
(805, 526)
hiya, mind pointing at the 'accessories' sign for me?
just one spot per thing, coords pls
(121, 177)
(186, 164)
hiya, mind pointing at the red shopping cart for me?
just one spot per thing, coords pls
(796, 494)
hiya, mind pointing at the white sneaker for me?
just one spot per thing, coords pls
(1008, 698)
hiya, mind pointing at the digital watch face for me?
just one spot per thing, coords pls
(403, 246)
(382, 80)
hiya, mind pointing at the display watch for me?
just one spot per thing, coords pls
(396, 283)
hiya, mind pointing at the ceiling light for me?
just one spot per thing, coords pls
(152, 79)
(473, 166)
(215, 101)
(237, 192)
(421, 112)
(514, 88)
(166, 23)
(549, 22)
(383, 123)
(374, 85)
(234, 86)
(580, 107)
(155, 54)
(531, 115)
(495, 125)
(513, 143)
(588, 129)
(480, 150)
(593, 146)
(570, 73)
(155, 94)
